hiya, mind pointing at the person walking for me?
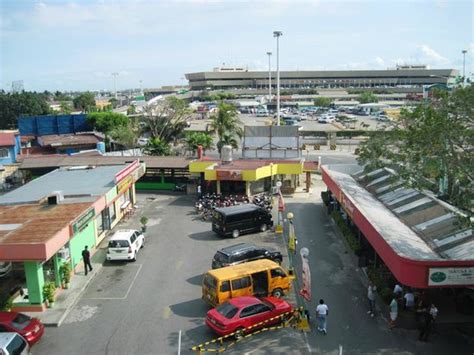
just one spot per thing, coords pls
(371, 290)
(199, 191)
(409, 300)
(86, 256)
(433, 313)
(322, 312)
(393, 312)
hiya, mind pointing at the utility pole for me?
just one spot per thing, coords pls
(269, 76)
(278, 34)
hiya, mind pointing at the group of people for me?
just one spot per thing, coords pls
(425, 312)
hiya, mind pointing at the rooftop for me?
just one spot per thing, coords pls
(35, 224)
(414, 224)
(68, 139)
(75, 184)
(54, 161)
(7, 139)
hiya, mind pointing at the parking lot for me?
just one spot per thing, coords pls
(140, 307)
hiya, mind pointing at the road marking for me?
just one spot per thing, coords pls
(126, 294)
(166, 312)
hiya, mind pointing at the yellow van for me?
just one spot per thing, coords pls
(255, 278)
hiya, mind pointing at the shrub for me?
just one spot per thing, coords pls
(49, 289)
(65, 272)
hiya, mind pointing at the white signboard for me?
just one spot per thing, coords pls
(444, 276)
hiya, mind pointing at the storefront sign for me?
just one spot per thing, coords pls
(82, 221)
(122, 174)
(347, 205)
(451, 276)
(124, 185)
(229, 175)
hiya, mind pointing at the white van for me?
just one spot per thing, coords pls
(125, 244)
(13, 344)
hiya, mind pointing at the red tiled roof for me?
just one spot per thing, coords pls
(7, 139)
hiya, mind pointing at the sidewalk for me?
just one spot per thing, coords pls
(67, 299)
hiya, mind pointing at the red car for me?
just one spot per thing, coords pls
(241, 312)
(30, 328)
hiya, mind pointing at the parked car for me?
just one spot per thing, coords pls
(235, 220)
(326, 119)
(5, 268)
(244, 252)
(125, 244)
(237, 314)
(13, 344)
(29, 328)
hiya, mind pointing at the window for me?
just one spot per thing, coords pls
(248, 311)
(21, 321)
(277, 273)
(225, 286)
(4, 153)
(227, 310)
(112, 212)
(210, 282)
(118, 244)
(241, 283)
(133, 238)
(99, 222)
(260, 308)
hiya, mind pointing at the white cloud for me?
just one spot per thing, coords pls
(427, 53)
(379, 61)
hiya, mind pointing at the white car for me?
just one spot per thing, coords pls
(326, 119)
(13, 344)
(125, 244)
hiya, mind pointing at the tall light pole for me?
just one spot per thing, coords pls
(269, 76)
(464, 51)
(278, 34)
(115, 84)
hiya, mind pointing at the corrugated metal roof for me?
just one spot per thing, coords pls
(435, 223)
(68, 139)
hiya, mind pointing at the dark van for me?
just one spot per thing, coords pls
(240, 219)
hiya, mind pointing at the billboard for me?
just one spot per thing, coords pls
(274, 142)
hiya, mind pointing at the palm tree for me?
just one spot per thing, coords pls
(156, 146)
(227, 125)
(195, 139)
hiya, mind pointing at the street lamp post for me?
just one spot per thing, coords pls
(464, 51)
(278, 34)
(269, 76)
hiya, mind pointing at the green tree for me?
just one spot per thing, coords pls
(65, 108)
(166, 119)
(127, 135)
(156, 146)
(12, 105)
(431, 146)
(322, 101)
(59, 96)
(85, 102)
(227, 125)
(131, 110)
(114, 102)
(367, 97)
(106, 122)
(194, 139)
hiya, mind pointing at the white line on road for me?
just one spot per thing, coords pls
(126, 294)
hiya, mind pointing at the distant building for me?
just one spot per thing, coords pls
(411, 76)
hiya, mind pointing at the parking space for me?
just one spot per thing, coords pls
(141, 307)
(114, 281)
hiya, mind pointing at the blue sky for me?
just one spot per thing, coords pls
(76, 45)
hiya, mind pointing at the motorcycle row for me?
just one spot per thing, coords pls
(207, 203)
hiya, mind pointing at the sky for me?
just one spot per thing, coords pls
(77, 45)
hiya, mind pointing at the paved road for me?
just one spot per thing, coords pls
(139, 308)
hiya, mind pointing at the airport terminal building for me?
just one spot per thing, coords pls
(402, 77)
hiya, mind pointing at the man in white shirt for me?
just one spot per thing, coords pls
(322, 312)
(409, 300)
(398, 290)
